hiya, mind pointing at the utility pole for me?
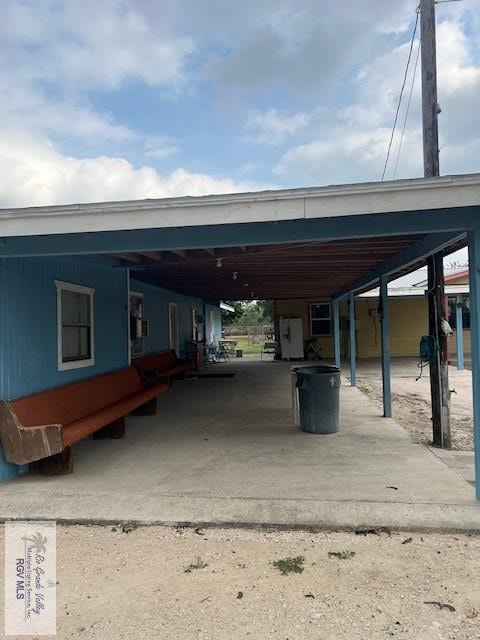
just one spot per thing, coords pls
(439, 388)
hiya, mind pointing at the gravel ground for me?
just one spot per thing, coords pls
(411, 407)
(117, 585)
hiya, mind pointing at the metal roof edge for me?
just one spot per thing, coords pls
(472, 179)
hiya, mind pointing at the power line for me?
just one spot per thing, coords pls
(407, 111)
(401, 95)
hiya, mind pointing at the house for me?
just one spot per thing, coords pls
(408, 316)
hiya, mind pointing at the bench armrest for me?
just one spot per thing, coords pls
(21, 444)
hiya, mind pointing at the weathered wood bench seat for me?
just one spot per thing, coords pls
(160, 366)
(44, 426)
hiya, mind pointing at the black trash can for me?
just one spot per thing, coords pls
(239, 353)
(319, 398)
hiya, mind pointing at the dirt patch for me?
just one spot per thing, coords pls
(116, 586)
(411, 406)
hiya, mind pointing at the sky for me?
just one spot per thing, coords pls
(125, 99)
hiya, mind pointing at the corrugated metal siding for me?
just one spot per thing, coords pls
(28, 321)
(155, 301)
(9, 470)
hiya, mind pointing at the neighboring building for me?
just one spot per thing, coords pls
(408, 316)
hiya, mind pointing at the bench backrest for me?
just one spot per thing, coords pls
(161, 361)
(71, 402)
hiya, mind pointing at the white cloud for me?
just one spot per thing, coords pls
(350, 144)
(456, 70)
(342, 155)
(304, 47)
(91, 43)
(31, 110)
(297, 57)
(271, 128)
(52, 53)
(33, 172)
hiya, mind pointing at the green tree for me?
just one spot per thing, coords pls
(248, 313)
(252, 316)
(232, 318)
(266, 309)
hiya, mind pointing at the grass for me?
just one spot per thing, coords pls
(248, 349)
(341, 555)
(198, 564)
(290, 565)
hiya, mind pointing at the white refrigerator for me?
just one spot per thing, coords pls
(291, 338)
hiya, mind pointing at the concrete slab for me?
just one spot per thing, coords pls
(225, 451)
(462, 462)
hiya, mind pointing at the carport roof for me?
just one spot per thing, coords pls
(418, 194)
(268, 271)
(303, 243)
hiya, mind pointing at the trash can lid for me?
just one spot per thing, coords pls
(317, 370)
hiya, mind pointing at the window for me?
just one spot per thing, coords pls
(74, 326)
(320, 319)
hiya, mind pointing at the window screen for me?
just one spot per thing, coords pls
(320, 319)
(76, 326)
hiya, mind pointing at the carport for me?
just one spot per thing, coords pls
(328, 242)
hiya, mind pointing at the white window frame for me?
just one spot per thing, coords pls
(174, 344)
(194, 324)
(320, 335)
(74, 364)
(134, 294)
(211, 321)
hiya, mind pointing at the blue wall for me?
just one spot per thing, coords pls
(9, 470)
(155, 309)
(28, 322)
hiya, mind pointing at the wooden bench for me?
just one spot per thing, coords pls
(40, 429)
(160, 366)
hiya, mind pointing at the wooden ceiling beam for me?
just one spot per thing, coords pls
(156, 256)
(381, 248)
(136, 258)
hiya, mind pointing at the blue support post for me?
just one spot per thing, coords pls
(336, 332)
(353, 348)
(459, 333)
(474, 280)
(385, 329)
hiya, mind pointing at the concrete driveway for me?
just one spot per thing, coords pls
(226, 451)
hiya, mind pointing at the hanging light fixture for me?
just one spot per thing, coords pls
(235, 275)
(219, 262)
